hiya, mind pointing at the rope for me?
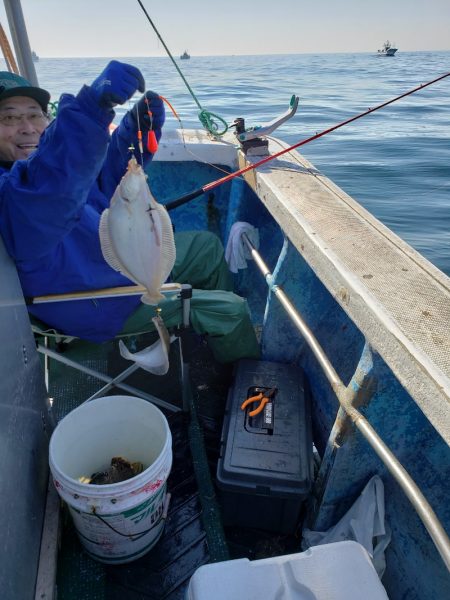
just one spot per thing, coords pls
(7, 52)
(132, 536)
(12, 67)
(53, 108)
(206, 118)
(184, 141)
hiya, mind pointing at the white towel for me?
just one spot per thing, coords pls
(237, 253)
(363, 522)
(155, 358)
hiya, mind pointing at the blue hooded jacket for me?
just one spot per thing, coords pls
(50, 207)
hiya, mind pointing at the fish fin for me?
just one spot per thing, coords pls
(105, 242)
(107, 246)
(168, 250)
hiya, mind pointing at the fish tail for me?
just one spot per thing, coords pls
(152, 298)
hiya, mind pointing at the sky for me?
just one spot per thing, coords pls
(119, 28)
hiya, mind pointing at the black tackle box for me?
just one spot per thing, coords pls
(265, 468)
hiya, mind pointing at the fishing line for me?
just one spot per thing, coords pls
(206, 118)
(152, 143)
(139, 138)
(182, 128)
(214, 184)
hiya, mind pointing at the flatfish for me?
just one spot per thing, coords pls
(136, 234)
(120, 470)
(155, 358)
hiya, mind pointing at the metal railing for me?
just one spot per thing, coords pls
(346, 397)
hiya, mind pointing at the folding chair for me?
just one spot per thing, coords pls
(182, 291)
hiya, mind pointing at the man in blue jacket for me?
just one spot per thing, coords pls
(56, 179)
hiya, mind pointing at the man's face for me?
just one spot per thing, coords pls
(21, 125)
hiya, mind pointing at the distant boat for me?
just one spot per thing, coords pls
(34, 56)
(387, 49)
(185, 55)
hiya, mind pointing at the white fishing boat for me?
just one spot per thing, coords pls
(354, 336)
(388, 49)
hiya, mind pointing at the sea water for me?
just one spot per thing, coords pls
(395, 162)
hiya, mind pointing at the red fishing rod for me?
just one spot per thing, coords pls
(210, 186)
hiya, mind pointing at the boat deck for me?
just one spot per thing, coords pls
(193, 535)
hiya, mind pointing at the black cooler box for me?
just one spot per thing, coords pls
(265, 468)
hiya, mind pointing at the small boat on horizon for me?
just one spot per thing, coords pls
(34, 56)
(185, 55)
(387, 49)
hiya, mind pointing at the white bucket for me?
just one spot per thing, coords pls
(118, 522)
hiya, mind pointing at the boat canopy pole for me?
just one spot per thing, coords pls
(346, 397)
(20, 40)
(210, 186)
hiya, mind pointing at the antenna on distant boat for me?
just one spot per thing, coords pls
(210, 186)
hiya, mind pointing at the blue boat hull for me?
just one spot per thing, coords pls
(315, 242)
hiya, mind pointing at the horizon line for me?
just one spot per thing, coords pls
(375, 52)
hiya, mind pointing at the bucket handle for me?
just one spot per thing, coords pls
(134, 537)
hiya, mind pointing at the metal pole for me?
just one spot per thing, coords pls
(111, 381)
(345, 396)
(412, 491)
(114, 292)
(20, 40)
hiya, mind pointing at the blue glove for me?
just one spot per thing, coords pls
(117, 83)
(150, 102)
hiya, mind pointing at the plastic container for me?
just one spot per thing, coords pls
(265, 469)
(339, 571)
(118, 522)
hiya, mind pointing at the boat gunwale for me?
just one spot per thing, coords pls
(283, 186)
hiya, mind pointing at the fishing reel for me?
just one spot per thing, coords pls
(252, 140)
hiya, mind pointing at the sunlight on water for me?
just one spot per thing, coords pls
(396, 162)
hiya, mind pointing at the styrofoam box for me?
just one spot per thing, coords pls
(339, 571)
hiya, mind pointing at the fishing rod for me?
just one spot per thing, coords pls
(210, 186)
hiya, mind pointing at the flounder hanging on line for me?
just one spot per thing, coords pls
(136, 234)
